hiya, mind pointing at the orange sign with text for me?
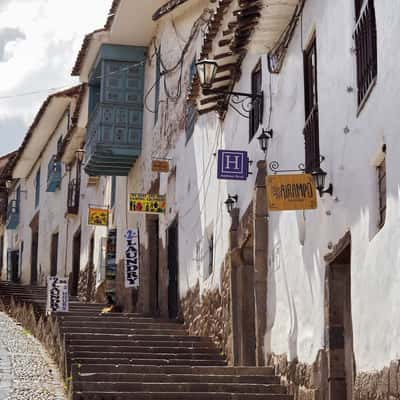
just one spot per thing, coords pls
(291, 192)
(160, 166)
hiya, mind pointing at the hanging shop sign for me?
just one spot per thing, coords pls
(98, 216)
(147, 203)
(57, 295)
(132, 258)
(160, 166)
(233, 165)
(291, 192)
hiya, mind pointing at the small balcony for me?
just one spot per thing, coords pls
(114, 136)
(53, 174)
(115, 123)
(74, 192)
(12, 215)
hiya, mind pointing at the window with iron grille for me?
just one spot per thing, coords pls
(366, 48)
(381, 172)
(113, 190)
(256, 113)
(311, 129)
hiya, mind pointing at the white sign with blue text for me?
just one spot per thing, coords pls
(57, 295)
(132, 258)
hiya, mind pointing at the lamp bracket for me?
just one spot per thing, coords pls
(246, 101)
(274, 167)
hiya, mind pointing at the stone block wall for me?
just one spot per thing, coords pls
(304, 382)
(381, 385)
(209, 314)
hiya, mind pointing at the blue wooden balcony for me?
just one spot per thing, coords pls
(12, 215)
(53, 174)
(114, 130)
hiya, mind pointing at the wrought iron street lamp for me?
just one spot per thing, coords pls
(230, 202)
(80, 155)
(319, 176)
(264, 139)
(207, 71)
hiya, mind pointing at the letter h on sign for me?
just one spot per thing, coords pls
(233, 165)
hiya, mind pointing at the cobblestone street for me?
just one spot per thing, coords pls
(26, 372)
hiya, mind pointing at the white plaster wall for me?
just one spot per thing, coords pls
(296, 271)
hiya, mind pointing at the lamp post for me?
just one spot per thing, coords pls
(319, 176)
(207, 70)
(264, 138)
(230, 202)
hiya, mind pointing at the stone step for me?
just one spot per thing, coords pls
(154, 369)
(169, 343)
(175, 378)
(132, 331)
(110, 317)
(143, 354)
(105, 395)
(101, 360)
(141, 349)
(117, 324)
(85, 386)
(117, 337)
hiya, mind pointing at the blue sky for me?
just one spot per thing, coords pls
(39, 41)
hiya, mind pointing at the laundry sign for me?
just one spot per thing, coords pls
(147, 203)
(57, 295)
(132, 258)
(291, 192)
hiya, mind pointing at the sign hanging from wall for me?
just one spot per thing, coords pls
(57, 295)
(291, 192)
(111, 264)
(160, 166)
(132, 258)
(233, 165)
(98, 216)
(147, 203)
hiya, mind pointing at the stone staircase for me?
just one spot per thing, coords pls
(120, 356)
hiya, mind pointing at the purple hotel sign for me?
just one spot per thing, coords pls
(233, 165)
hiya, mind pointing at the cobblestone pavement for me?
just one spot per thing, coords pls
(26, 371)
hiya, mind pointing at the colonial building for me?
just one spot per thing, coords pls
(312, 292)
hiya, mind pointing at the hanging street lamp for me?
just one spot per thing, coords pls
(230, 202)
(319, 176)
(264, 139)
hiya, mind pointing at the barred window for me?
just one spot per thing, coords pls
(381, 172)
(256, 113)
(366, 49)
(311, 129)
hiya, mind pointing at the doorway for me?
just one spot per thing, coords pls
(54, 254)
(154, 268)
(34, 225)
(13, 264)
(173, 257)
(338, 323)
(76, 262)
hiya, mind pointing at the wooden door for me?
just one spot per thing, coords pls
(173, 254)
(34, 257)
(76, 262)
(339, 327)
(54, 254)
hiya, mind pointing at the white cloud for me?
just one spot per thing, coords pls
(49, 35)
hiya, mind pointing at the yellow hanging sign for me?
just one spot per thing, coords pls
(160, 166)
(147, 203)
(291, 192)
(98, 216)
